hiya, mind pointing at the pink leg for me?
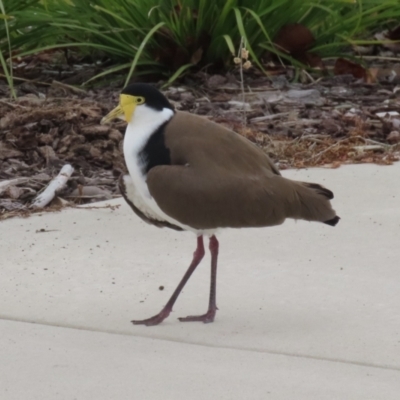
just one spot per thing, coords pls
(164, 313)
(212, 306)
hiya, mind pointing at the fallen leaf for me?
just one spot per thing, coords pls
(336, 164)
(394, 137)
(346, 67)
(294, 38)
(196, 56)
(297, 39)
(47, 152)
(13, 192)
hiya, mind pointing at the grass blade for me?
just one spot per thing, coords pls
(177, 74)
(8, 71)
(140, 50)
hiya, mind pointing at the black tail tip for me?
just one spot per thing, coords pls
(333, 221)
(320, 190)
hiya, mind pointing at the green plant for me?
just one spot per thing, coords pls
(8, 69)
(172, 36)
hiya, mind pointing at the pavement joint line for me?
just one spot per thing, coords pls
(253, 350)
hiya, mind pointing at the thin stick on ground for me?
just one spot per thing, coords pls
(54, 186)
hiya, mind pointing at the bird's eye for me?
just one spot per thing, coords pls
(139, 100)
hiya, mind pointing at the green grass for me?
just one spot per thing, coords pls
(170, 37)
(8, 69)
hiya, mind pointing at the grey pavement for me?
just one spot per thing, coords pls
(306, 311)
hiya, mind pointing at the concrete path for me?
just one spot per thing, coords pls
(306, 311)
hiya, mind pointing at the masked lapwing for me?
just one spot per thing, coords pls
(190, 174)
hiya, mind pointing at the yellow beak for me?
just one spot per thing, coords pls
(115, 113)
(126, 107)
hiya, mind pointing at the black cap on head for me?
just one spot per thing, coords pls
(153, 97)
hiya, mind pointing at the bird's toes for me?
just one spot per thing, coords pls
(155, 320)
(147, 322)
(205, 318)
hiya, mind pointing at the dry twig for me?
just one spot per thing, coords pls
(54, 186)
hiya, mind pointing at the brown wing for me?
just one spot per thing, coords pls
(197, 141)
(220, 179)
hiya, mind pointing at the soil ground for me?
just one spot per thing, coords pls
(322, 122)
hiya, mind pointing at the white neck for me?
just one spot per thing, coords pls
(145, 121)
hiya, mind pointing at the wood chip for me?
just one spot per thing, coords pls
(97, 130)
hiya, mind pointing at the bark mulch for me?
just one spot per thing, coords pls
(326, 122)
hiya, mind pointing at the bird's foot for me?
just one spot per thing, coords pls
(155, 320)
(207, 318)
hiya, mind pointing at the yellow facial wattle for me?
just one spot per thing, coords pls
(126, 107)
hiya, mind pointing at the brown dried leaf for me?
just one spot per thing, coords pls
(336, 164)
(346, 67)
(297, 39)
(394, 137)
(47, 152)
(13, 192)
(294, 38)
(196, 56)
(46, 138)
